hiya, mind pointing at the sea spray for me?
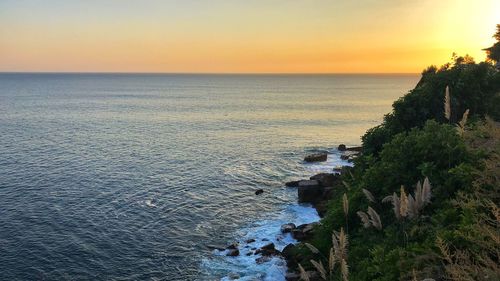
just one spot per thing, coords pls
(245, 265)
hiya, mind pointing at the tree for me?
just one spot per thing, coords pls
(494, 51)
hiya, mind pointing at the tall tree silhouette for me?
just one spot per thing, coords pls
(494, 51)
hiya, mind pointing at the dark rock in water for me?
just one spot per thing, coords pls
(328, 193)
(337, 170)
(233, 253)
(265, 239)
(321, 208)
(291, 255)
(250, 241)
(249, 254)
(317, 157)
(309, 191)
(232, 246)
(288, 251)
(308, 227)
(355, 148)
(286, 228)
(304, 231)
(308, 183)
(269, 246)
(267, 250)
(233, 276)
(322, 205)
(325, 179)
(341, 147)
(292, 184)
(262, 259)
(344, 157)
(259, 191)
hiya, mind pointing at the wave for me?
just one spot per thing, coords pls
(219, 266)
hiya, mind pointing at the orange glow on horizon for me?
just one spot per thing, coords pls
(237, 37)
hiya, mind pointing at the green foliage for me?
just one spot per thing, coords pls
(403, 248)
(494, 51)
(472, 86)
(471, 250)
(428, 152)
(455, 237)
(414, 142)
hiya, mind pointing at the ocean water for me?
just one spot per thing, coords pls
(131, 176)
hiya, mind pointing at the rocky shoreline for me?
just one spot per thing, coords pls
(316, 190)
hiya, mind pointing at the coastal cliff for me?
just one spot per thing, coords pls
(422, 200)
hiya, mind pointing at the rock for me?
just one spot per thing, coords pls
(344, 157)
(233, 253)
(308, 183)
(337, 170)
(287, 228)
(233, 276)
(250, 241)
(341, 147)
(288, 251)
(269, 246)
(232, 246)
(328, 192)
(292, 184)
(304, 231)
(259, 191)
(317, 157)
(309, 191)
(262, 259)
(267, 250)
(308, 227)
(265, 239)
(355, 148)
(321, 208)
(249, 254)
(325, 179)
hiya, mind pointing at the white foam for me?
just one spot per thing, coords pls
(333, 161)
(150, 203)
(245, 267)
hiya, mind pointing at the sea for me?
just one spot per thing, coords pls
(133, 176)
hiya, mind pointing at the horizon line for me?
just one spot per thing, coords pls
(210, 73)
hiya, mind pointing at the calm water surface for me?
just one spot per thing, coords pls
(126, 177)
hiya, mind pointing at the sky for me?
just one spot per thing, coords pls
(249, 36)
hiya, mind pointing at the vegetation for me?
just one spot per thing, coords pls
(422, 201)
(494, 51)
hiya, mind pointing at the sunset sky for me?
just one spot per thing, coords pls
(284, 36)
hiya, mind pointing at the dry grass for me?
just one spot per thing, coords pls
(303, 274)
(374, 218)
(408, 205)
(369, 195)
(345, 204)
(447, 104)
(338, 254)
(365, 219)
(462, 123)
